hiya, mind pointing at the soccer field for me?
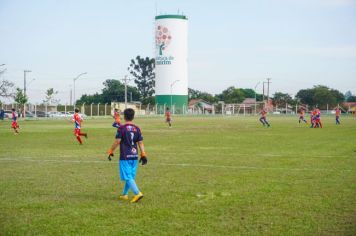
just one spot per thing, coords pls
(205, 176)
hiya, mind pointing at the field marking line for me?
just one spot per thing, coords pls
(179, 164)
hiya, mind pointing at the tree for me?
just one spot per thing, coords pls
(281, 99)
(347, 95)
(321, 96)
(20, 97)
(113, 90)
(6, 89)
(305, 96)
(143, 71)
(50, 93)
(351, 99)
(196, 94)
(232, 95)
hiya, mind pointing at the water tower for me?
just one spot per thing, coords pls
(171, 40)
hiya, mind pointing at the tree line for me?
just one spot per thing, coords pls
(142, 71)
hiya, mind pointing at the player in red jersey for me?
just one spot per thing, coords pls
(168, 117)
(77, 119)
(317, 121)
(14, 124)
(117, 118)
(263, 119)
(337, 115)
(301, 115)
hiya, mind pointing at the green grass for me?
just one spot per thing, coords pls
(205, 176)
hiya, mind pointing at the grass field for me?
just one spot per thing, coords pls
(205, 176)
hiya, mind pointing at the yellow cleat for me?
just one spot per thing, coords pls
(137, 197)
(124, 197)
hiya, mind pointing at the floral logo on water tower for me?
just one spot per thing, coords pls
(163, 38)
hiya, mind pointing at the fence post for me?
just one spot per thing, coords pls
(244, 109)
(105, 108)
(46, 109)
(98, 109)
(156, 109)
(91, 110)
(36, 110)
(286, 107)
(327, 108)
(83, 108)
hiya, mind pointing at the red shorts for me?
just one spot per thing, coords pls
(14, 125)
(76, 132)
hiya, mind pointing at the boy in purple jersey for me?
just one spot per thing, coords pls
(128, 136)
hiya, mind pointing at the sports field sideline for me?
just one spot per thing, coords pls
(206, 175)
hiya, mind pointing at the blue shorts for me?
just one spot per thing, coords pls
(127, 169)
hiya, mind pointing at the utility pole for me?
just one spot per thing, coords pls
(24, 81)
(70, 97)
(75, 79)
(126, 80)
(268, 79)
(24, 90)
(263, 96)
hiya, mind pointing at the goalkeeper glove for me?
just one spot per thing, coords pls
(111, 154)
(143, 158)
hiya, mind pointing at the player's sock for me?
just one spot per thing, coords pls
(126, 188)
(320, 125)
(133, 186)
(79, 140)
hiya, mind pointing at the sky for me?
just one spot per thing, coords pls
(296, 43)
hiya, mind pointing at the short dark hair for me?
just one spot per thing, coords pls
(13, 109)
(76, 110)
(116, 109)
(167, 108)
(129, 114)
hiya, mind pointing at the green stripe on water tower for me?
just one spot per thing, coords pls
(177, 100)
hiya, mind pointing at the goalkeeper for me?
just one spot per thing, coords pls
(128, 136)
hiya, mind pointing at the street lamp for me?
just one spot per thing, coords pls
(256, 97)
(172, 88)
(74, 86)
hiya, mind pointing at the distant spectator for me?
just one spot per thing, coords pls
(2, 114)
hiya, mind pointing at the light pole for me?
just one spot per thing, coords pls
(126, 80)
(74, 86)
(256, 97)
(24, 80)
(172, 88)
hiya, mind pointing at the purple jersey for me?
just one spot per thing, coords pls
(129, 134)
(14, 117)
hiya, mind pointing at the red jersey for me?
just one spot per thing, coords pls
(337, 112)
(168, 114)
(77, 120)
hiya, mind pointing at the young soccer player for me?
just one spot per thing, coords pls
(301, 115)
(317, 121)
(14, 124)
(263, 119)
(337, 115)
(77, 119)
(117, 118)
(168, 117)
(128, 136)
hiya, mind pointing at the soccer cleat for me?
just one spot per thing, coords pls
(86, 135)
(137, 197)
(124, 197)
